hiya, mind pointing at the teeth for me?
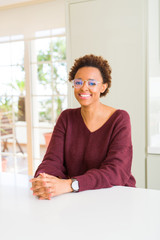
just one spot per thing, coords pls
(85, 95)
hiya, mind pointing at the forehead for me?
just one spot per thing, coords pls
(88, 73)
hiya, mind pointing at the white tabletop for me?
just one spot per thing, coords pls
(114, 214)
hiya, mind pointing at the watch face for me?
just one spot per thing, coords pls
(75, 185)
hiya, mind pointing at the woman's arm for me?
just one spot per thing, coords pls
(53, 161)
(50, 177)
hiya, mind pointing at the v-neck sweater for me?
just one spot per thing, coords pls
(98, 159)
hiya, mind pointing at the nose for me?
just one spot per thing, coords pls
(85, 85)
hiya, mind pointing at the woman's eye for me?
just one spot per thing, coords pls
(92, 83)
(78, 83)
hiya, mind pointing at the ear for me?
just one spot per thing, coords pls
(104, 87)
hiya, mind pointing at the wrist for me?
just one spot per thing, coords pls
(69, 184)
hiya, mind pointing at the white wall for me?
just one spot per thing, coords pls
(154, 37)
(116, 29)
(26, 20)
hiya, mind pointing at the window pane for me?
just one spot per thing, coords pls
(42, 109)
(13, 147)
(41, 50)
(49, 89)
(13, 143)
(18, 82)
(41, 138)
(19, 108)
(58, 47)
(48, 109)
(5, 56)
(5, 104)
(11, 162)
(17, 53)
(60, 104)
(42, 82)
(5, 80)
(60, 77)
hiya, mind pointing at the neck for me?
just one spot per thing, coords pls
(90, 112)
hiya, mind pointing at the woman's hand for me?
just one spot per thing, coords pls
(38, 187)
(46, 186)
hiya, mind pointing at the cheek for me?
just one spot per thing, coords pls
(96, 91)
(75, 91)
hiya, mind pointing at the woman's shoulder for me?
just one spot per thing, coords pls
(123, 114)
(118, 114)
(70, 113)
(121, 119)
(68, 117)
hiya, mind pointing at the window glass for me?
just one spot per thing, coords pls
(49, 88)
(13, 138)
(46, 72)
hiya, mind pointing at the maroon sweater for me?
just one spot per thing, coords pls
(98, 159)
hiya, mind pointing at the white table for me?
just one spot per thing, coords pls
(114, 214)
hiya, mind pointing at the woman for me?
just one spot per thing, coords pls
(91, 146)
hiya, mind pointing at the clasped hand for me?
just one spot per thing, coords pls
(46, 186)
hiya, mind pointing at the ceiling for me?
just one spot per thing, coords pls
(11, 2)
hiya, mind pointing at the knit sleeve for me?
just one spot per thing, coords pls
(116, 167)
(53, 161)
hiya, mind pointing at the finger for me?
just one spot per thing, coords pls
(45, 195)
(44, 198)
(45, 177)
(52, 194)
(50, 176)
(35, 180)
(37, 190)
(42, 193)
(36, 186)
(37, 183)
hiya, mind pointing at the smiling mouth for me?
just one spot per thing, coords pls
(84, 95)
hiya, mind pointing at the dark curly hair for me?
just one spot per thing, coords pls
(93, 61)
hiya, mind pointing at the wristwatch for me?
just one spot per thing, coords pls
(75, 185)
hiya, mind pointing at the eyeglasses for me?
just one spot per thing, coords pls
(91, 83)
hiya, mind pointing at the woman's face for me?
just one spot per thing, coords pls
(89, 95)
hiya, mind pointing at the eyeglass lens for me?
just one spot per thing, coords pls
(80, 82)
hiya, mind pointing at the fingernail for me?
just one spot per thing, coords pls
(31, 188)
